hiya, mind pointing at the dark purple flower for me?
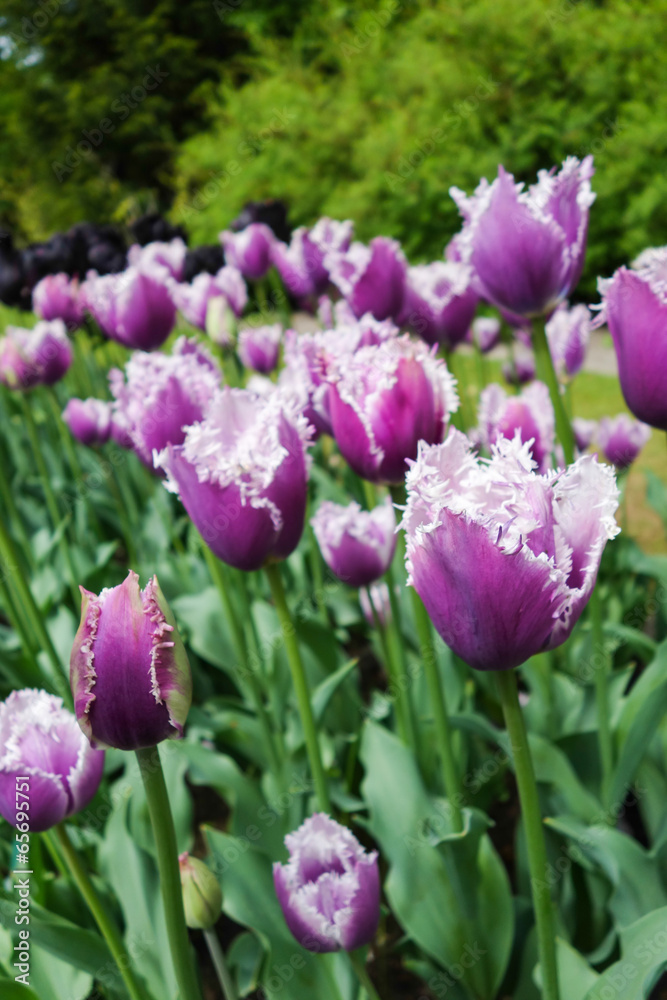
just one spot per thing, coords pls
(568, 333)
(57, 297)
(40, 356)
(371, 278)
(440, 302)
(129, 671)
(634, 306)
(193, 299)
(527, 247)
(89, 420)
(258, 347)
(242, 475)
(250, 250)
(621, 439)
(133, 307)
(46, 758)
(329, 890)
(530, 414)
(357, 545)
(160, 395)
(504, 559)
(383, 400)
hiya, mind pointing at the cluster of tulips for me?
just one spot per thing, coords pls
(495, 521)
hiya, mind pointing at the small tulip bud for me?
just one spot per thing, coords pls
(202, 895)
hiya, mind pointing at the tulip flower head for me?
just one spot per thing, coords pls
(357, 545)
(527, 247)
(250, 250)
(329, 890)
(440, 302)
(568, 333)
(584, 432)
(259, 347)
(530, 414)
(169, 255)
(202, 895)
(634, 306)
(57, 297)
(242, 476)
(384, 399)
(520, 371)
(621, 439)
(133, 307)
(485, 333)
(42, 744)
(504, 559)
(40, 356)
(129, 671)
(371, 278)
(89, 420)
(193, 299)
(160, 395)
(301, 264)
(378, 593)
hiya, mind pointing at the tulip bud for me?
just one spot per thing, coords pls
(372, 278)
(258, 347)
(129, 671)
(89, 420)
(133, 307)
(194, 300)
(202, 895)
(357, 545)
(621, 439)
(57, 297)
(34, 357)
(250, 250)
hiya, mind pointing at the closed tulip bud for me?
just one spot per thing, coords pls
(384, 399)
(371, 278)
(250, 250)
(89, 420)
(530, 414)
(504, 559)
(440, 302)
(621, 439)
(46, 757)
(527, 247)
(242, 475)
(57, 297)
(634, 306)
(129, 671)
(133, 307)
(259, 347)
(329, 890)
(194, 299)
(202, 895)
(568, 333)
(40, 356)
(357, 545)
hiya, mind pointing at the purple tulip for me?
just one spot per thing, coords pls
(129, 671)
(634, 306)
(371, 278)
(242, 475)
(57, 297)
(378, 593)
(527, 247)
(329, 890)
(170, 256)
(621, 439)
(193, 299)
(40, 356)
(357, 545)
(568, 333)
(89, 420)
(250, 250)
(530, 414)
(46, 758)
(384, 399)
(504, 559)
(520, 371)
(584, 431)
(485, 333)
(133, 307)
(259, 347)
(160, 395)
(440, 302)
(301, 264)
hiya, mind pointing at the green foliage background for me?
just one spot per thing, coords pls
(368, 110)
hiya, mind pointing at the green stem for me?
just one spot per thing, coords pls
(317, 571)
(300, 686)
(547, 373)
(170, 879)
(218, 958)
(532, 820)
(443, 734)
(358, 963)
(399, 669)
(108, 929)
(601, 672)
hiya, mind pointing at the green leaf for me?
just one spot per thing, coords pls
(324, 691)
(10, 990)
(643, 959)
(575, 975)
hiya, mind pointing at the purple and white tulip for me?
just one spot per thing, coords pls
(133, 307)
(584, 432)
(384, 399)
(160, 395)
(520, 371)
(621, 439)
(329, 890)
(634, 306)
(371, 278)
(527, 247)
(357, 545)
(171, 256)
(440, 302)
(504, 559)
(89, 420)
(530, 414)
(193, 299)
(485, 333)
(57, 297)
(301, 264)
(129, 671)
(568, 333)
(250, 250)
(40, 356)
(258, 347)
(378, 593)
(43, 749)
(242, 475)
